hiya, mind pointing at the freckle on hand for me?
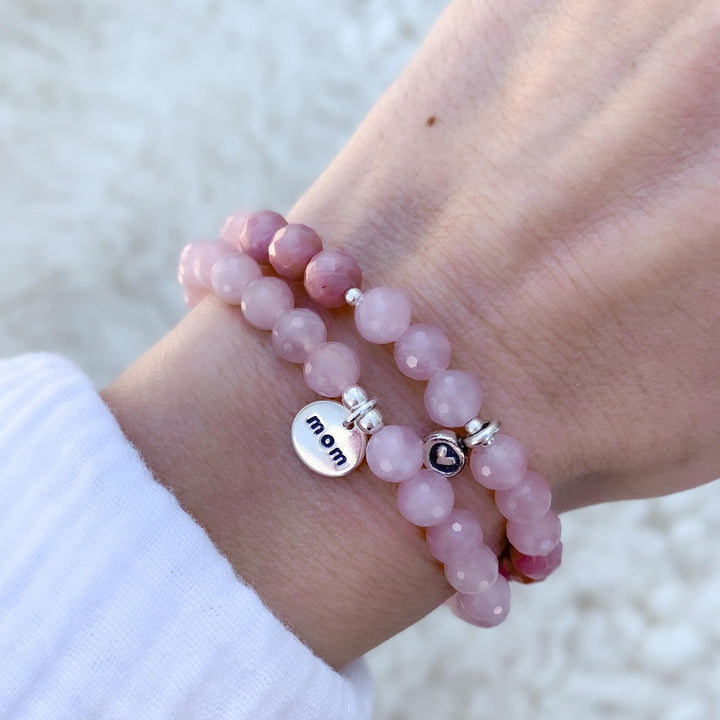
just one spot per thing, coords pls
(431, 121)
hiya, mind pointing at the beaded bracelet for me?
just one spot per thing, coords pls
(331, 438)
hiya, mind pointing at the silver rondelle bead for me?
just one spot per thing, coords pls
(353, 296)
(480, 433)
(371, 421)
(354, 396)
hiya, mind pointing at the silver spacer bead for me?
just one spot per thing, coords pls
(357, 413)
(480, 433)
(353, 396)
(353, 296)
(371, 422)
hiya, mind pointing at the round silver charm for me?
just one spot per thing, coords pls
(323, 443)
(444, 453)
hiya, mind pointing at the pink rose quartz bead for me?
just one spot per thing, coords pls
(537, 567)
(186, 275)
(230, 274)
(458, 535)
(330, 368)
(233, 227)
(500, 465)
(486, 609)
(452, 398)
(538, 537)
(426, 499)
(193, 294)
(473, 573)
(292, 248)
(207, 255)
(329, 275)
(297, 333)
(258, 232)
(382, 315)
(395, 453)
(264, 300)
(421, 351)
(528, 500)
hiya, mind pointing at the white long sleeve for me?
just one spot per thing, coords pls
(114, 603)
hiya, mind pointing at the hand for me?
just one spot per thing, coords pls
(542, 181)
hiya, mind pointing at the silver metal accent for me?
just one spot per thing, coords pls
(480, 433)
(359, 412)
(354, 396)
(353, 296)
(371, 421)
(322, 441)
(444, 452)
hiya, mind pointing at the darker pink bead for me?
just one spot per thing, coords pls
(528, 500)
(537, 567)
(265, 300)
(329, 275)
(421, 351)
(486, 609)
(297, 333)
(459, 534)
(473, 573)
(382, 315)
(330, 368)
(426, 499)
(230, 274)
(258, 232)
(292, 248)
(538, 537)
(452, 398)
(207, 255)
(233, 227)
(395, 453)
(500, 465)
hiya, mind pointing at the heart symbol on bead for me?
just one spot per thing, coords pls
(442, 457)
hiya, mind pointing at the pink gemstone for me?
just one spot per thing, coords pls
(500, 465)
(459, 534)
(426, 499)
(538, 537)
(230, 274)
(528, 500)
(486, 609)
(258, 232)
(296, 333)
(207, 255)
(233, 227)
(193, 294)
(264, 300)
(186, 275)
(292, 248)
(382, 315)
(452, 398)
(421, 351)
(329, 275)
(395, 453)
(473, 573)
(330, 368)
(537, 567)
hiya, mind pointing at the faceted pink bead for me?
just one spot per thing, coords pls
(186, 274)
(296, 333)
(537, 567)
(538, 537)
(473, 573)
(528, 500)
(500, 465)
(193, 294)
(264, 300)
(329, 275)
(486, 609)
(459, 534)
(395, 453)
(330, 368)
(426, 499)
(233, 227)
(292, 248)
(421, 351)
(207, 255)
(258, 232)
(452, 398)
(230, 274)
(382, 315)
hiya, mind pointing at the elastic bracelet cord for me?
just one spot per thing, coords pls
(332, 438)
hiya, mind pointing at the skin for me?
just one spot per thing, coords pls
(543, 181)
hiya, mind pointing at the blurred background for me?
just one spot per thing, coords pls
(129, 128)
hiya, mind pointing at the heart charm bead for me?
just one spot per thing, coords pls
(444, 453)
